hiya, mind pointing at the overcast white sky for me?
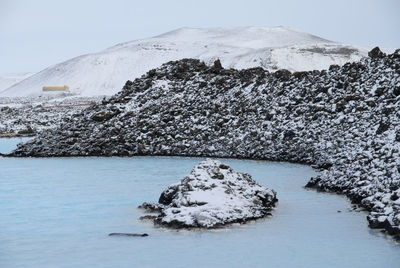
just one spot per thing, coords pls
(35, 34)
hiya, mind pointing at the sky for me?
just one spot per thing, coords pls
(35, 34)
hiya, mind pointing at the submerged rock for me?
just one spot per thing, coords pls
(212, 195)
(128, 234)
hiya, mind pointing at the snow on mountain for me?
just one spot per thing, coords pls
(105, 73)
(7, 81)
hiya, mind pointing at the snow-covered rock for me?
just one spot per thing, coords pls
(345, 121)
(211, 196)
(105, 72)
(29, 116)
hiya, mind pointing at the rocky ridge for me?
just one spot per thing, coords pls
(212, 195)
(344, 121)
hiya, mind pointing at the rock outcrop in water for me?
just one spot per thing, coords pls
(345, 121)
(212, 195)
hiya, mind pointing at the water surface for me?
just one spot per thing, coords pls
(58, 212)
(9, 144)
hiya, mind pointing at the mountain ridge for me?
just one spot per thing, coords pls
(106, 71)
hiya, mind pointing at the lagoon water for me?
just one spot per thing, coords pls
(9, 144)
(58, 212)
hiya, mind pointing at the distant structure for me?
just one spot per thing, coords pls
(64, 88)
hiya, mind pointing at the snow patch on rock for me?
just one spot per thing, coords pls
(211, 196)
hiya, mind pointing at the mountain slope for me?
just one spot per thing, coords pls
(7, 81)
(104, 73)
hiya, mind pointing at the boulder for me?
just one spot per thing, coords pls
(383, 126)
(376, 53)
(213, 195)
(396, 91)
(217, 65)
(283, 74)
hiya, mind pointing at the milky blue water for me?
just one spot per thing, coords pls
(9, 144)
(58, 213)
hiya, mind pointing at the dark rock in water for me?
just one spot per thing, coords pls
(312, 183)
(148, 217)
(150, 207)
(376, 53)
(213, 195)
(128, 234)
(380, 222)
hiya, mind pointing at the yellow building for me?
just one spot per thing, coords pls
(64, 88)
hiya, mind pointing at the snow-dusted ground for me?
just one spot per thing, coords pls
(345, 121)
(7, 81)
(28, 116)
(105, 72)
(211, 196)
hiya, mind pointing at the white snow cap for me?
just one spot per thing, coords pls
(106, 72)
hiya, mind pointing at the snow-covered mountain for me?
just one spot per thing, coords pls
(105, 73)
(7, 81)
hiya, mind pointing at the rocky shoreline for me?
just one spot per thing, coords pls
(344, 121)
(212, 196)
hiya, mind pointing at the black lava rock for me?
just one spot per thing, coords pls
(217, 65)
(376, 53)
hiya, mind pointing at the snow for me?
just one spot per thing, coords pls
(17, 115)
(190, 109)
(213, 195)
(105, 72)
(8, 80)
